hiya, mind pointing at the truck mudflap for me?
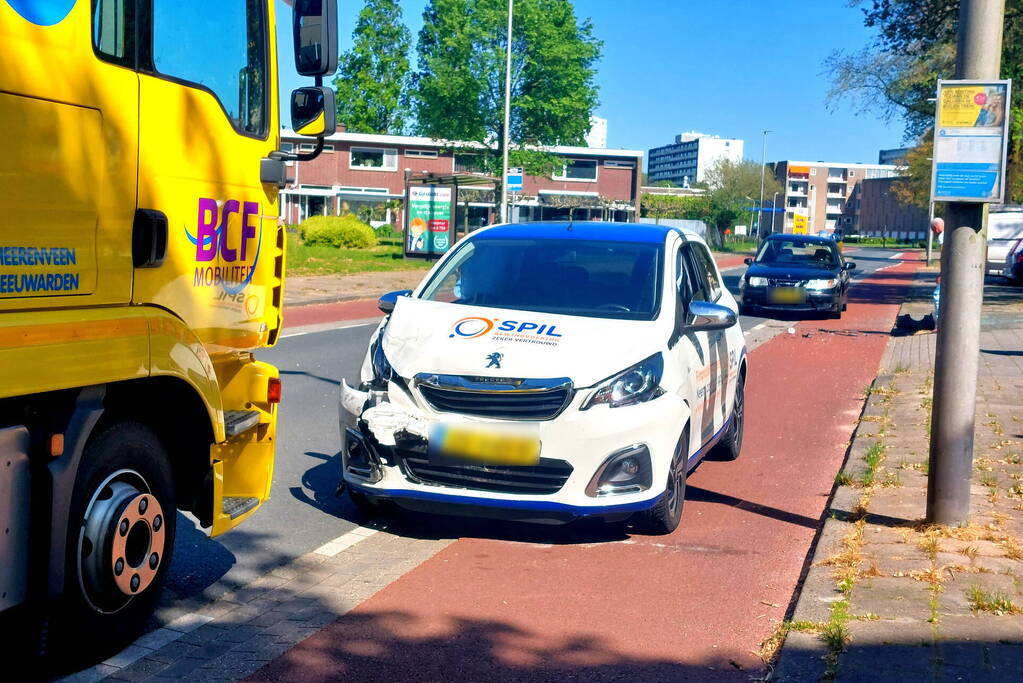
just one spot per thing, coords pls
(14, 516)
(242, 465)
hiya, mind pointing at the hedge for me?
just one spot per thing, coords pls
(337, 231)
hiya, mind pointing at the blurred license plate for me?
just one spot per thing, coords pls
(486, 444)
(786, 295)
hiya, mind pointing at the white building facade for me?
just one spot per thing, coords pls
(687, 160)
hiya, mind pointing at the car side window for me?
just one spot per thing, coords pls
(695, 282)
(709, 273)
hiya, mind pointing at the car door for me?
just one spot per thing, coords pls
(207, 115)
(693, 350)
(718, 393)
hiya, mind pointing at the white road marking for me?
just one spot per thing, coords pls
(345, 541)
(324, 327)
(897, 257)
(758, 326)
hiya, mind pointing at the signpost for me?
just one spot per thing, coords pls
(514, 180)
(970, 141)
(740, 230)
(800, 224)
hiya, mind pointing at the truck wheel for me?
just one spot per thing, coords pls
(664, 518)
(120, 540)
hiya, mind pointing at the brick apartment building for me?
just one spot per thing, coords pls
(358, 170)
(882, 214)
(829, 194)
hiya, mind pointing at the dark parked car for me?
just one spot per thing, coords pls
(797, 273)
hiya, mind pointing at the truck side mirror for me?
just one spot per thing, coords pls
(314, 29)
(313, 111)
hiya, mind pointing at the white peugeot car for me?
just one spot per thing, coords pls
(547, 372)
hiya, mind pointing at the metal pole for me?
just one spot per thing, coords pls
(962, 291)
(763, 165)
(774, 210)
(507, 118)
(930, 233)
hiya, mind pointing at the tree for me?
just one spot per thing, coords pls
(895, 76)
(913, 187)
(458, 91)
(733, 186)
(373, 76)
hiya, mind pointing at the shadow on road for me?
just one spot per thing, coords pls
(695, 493)
(303, 373)
(322, 480)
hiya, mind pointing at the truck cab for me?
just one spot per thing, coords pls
(141, 269)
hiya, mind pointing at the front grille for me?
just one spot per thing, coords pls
(511, 405)
(786, 283)
(544, 478)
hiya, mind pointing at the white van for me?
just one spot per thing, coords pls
(1004, 229)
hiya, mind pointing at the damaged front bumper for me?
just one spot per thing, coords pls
(384, 457)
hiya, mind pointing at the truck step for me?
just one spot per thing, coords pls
(238, 421)
(236, 506)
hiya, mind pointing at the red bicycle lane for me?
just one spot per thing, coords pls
(692, 605)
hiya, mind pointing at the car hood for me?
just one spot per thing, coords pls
(454, 339)
(791, 272)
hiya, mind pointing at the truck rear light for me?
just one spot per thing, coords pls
(273, 390)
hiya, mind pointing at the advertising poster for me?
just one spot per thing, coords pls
(429, 220)
(971, 132)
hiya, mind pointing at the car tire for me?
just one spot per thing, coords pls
(730, 445)
(664, 517)
(122, 517)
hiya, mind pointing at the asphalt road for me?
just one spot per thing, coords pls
(303, 512)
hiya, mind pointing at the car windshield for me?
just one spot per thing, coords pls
(798, 252)
(574, 277)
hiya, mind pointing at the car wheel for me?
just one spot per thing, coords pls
(664, 517)
(120, 541)
(730, 445)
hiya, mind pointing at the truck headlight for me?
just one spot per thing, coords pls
(821, 284)
(636, 384)
(756, 281)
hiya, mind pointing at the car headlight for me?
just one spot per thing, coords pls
(821, 284)
(633, 385)
(756, 281)
(382, 370)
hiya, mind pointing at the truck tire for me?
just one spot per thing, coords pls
(119, 544)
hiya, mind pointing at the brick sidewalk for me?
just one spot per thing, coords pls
(889, 597)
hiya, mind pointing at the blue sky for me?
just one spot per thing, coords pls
(730, 68)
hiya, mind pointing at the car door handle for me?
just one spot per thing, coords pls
(149, 238)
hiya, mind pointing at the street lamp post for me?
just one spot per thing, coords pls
(507, 118)
(763, 165)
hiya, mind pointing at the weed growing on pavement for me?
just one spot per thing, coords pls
(930, 545)
(1013, 550)
(873, 458)
(991, 601)
(843, 479)
(901, 369)
(771, 646)
(970, 551)
(1014, 458)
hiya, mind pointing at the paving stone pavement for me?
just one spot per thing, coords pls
(237, 634)
(887, 597)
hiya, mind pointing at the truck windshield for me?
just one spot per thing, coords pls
(597, 279)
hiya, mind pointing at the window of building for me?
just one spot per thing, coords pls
(618, 163)
(288, 147)
(852, 173)
(421, 153)
(373, 159)
(579, 169)
(468, 163)
(238, 75)
(813, 171)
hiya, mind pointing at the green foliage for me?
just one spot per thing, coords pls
(373, 76)
(916, 45)
(385, 231)
(338, 232)
(458, 92)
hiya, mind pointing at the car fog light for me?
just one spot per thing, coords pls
(625, 471)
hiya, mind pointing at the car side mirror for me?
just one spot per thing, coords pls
(387, 302)
(849, 265)
(748, 261)
(704, 316)
(314, 30)
(313, 112)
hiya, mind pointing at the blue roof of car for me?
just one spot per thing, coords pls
(585, 230)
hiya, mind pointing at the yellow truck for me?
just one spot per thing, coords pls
(141, 263)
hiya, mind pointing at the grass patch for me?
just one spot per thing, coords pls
(843, 479)
(321, 260)
(991, 601)
(873, 458)
(737, 247)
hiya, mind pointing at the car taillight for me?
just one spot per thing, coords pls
(273, 390)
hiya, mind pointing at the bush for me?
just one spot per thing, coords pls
(337, 231)
(386, 230)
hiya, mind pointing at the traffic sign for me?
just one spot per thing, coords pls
(513, 183)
